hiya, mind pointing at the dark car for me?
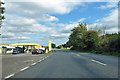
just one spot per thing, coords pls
(15, 52)
(37, 51)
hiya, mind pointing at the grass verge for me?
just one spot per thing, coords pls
(102, 53)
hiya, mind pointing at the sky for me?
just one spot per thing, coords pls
(39, 22)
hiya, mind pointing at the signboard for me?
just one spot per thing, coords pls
(49, 45)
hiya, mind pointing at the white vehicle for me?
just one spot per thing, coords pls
(10, 49)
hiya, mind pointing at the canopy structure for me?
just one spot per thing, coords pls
(4, 44)
(28, 46)
(25, 44)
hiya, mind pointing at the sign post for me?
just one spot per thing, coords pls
(49, 45)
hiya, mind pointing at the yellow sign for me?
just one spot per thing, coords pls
(39, 46)
(49, 45)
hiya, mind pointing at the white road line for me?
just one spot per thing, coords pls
(78, 55)
(43, 59)
(98, 62)
(9, 76)
(24, 68)
(33, 64)
(28, 60)
(39, 60)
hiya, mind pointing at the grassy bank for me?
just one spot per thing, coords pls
(106, 53)
(102, 53)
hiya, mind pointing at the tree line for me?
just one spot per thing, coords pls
(91, 40)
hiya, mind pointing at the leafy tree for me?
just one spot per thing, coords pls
(76, 37)
(60, 46)
(53, 45)
(91, 39)
(81, 39)
(1, 12)
(110, 43)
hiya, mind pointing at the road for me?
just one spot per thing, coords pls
(12, 64)
(72, 64)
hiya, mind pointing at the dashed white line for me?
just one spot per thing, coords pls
(33, 64)
(78, 55)
(98, 62)
(9, 76)
(24, 68)
(43, 59)
(39, 60)
(28, 60)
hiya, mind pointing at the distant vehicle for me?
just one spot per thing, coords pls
(15, 52)
(43, 51)
(9, 49)
(37, 51)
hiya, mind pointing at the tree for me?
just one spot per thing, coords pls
(53, 45)
(91, 39)
(1, 12)
(76, 37)
(60, 46)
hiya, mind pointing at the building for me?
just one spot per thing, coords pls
(27, 46)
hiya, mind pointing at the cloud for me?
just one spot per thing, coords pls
(111, 30)
(60, 0)
(81, 20)
(110, 22)
(29, 10)
(38, 8)
(24, 18)
(109, 5)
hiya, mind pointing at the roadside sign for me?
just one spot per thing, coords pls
(49, 45)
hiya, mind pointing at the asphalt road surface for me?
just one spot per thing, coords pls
(12, 64)
(71, 64)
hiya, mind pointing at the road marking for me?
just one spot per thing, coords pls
(43, 59)
(24, 68)
(9, 76)
(39, 60)
(98, 62)
(28, 60)
(78, 55)
(34, 64)
(46, 57)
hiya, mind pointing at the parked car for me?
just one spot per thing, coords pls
(15, 52)
(37, 51)
(9, 50)
(43, 51)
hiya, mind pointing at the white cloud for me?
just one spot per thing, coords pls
(81, 20)
(109, 5)
(24, 19)
(111, 30)
(110, 22)
(60, 0)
